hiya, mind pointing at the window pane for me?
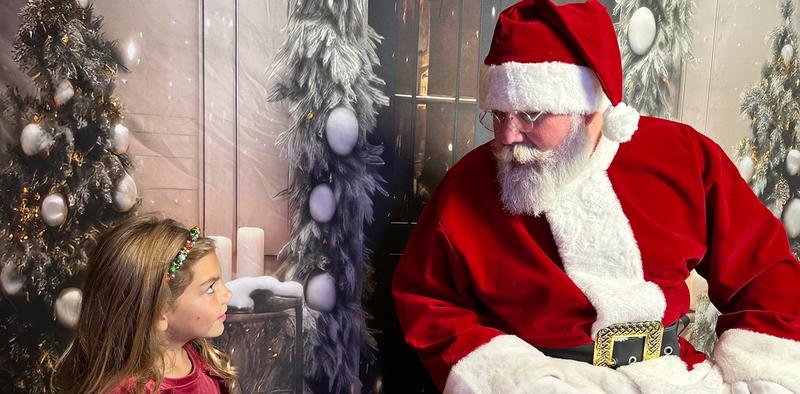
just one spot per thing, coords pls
(433, 149)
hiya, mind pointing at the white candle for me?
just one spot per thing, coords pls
(225, 255)
(249, 252)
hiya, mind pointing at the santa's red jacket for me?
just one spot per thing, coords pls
(477, 283)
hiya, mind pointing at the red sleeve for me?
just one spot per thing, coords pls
(753, 278)
(431, 292)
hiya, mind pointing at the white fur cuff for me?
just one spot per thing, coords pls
(504, 365)
(744, 355)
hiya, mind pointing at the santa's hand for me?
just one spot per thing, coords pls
(588, 378)
(551, 384)
(758, 387)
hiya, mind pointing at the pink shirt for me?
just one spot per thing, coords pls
(200, 381)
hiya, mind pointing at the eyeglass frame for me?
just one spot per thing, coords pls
(506, 116)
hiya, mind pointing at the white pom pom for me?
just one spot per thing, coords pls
(620, 122)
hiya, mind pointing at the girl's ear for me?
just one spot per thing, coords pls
(162, 322)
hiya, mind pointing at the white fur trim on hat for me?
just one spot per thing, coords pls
(597, 247)
(554, 87)
(744, 355)
(506, 364)
(620, 122)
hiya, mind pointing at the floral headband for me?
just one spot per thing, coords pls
(176, 264)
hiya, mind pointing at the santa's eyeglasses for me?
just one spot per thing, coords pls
(499, 119)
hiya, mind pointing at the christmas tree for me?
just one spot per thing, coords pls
(654, 36)
(769, 160)
(63, 180)
(325, 72)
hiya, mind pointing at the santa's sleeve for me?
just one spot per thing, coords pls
(440, 320)
(753, 279)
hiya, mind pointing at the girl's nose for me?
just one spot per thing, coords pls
(226, 295)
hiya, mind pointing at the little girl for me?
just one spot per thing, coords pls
(152, 296)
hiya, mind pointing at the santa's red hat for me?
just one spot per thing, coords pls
(559, 59)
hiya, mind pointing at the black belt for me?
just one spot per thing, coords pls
(626, 344)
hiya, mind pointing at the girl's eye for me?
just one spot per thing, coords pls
(210, 289)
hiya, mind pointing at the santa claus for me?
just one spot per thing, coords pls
(554, 258)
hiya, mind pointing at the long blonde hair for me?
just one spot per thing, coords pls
(124, 293)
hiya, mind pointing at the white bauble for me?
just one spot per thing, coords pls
(321, 203)
(64, 93)
(10, 280)
(68, 307)
(83, 3)
(125, 194)
(787, 54)
(54, 210)
(34, 139)
(793, 162)
(746, 168)
(791, 218)
(321, 292)
(132, 49)
(341, 130)
(641, 31)
(120, 139)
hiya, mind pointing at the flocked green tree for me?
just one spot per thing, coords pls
(325, 72)
(654, 37)
(63, 180)
(769, 159)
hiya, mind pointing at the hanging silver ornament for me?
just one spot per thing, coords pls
(64, 93)
(120, 139)
(322, 203)
(787, 54)
(10, 280)
(746, 168)
(321, 292)
(68, 307)
(341, 130)
(34, 139)
(641, 31)
(125, 194)
(793, 162)
(54, 210)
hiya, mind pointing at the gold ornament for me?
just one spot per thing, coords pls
(78, 159)
(36, 118)
(309, 116)
(65, 39)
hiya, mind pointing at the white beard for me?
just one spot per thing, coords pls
(531, 186)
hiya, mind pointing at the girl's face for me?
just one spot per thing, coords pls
(200, 310)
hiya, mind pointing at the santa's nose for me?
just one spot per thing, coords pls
(509, 134)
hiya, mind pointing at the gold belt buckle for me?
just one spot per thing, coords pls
(651, 331)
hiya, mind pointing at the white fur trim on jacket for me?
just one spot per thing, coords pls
(670, 375)
(506, 364)
(597, 247)
(744, 355)
(554, 87)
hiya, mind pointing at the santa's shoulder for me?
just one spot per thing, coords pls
(667, 139)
